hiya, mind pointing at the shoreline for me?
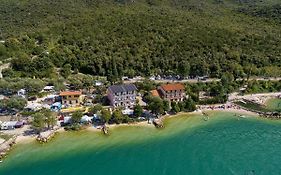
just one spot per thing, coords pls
(23, 139)
(29, 138)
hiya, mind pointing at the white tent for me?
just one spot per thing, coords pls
(86, 118)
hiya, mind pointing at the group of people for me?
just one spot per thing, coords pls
(219, 107)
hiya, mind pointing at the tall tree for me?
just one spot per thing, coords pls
(138, 110)
(156, 105)
(118, 116)
(166, 105)
(38, 123)
(50, 118)
(66, 70)
(175, 107)
(105, 115)
(76, 117)
(95, 109)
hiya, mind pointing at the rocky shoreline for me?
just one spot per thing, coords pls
(46, 136)
(6, 146)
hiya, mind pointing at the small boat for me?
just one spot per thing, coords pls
(1, 161)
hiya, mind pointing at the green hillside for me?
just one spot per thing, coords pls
(140, 37)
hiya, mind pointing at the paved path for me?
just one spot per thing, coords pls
(196, 80)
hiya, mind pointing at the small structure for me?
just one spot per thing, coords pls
(48, 89)
(125, 78)
(152, 78)
(19, 124)
(86, 119)
(67, 120)
(89, 100)
(204, 95)
(50, 99)
(33, 107)
(71, 98)
(8, 125)
(155, 93)
(56, 107)
(128, 112)
(123, 95)
(98, 83)
(21, 93)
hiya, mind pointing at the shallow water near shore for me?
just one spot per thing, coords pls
(187, 145)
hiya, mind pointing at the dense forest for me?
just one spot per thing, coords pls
(49, 39)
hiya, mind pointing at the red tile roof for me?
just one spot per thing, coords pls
(65, 93)
(172, 87)
(155, 93)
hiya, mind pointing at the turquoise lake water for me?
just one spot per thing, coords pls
(187, 145)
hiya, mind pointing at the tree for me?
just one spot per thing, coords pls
(79, 81)
(118, 116)
(66, 70)
(190, 105)
(250, 70)
(181, 106)
(217, 90)
(138, 110)
(227, 78)
(38, 122)
(175, 107)
(95, 109)
(50, 118)
(184, 69)
(33, 85)
(156, 105)
(16, 103)
(105, 115)
(76, 117)
(166, 105)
